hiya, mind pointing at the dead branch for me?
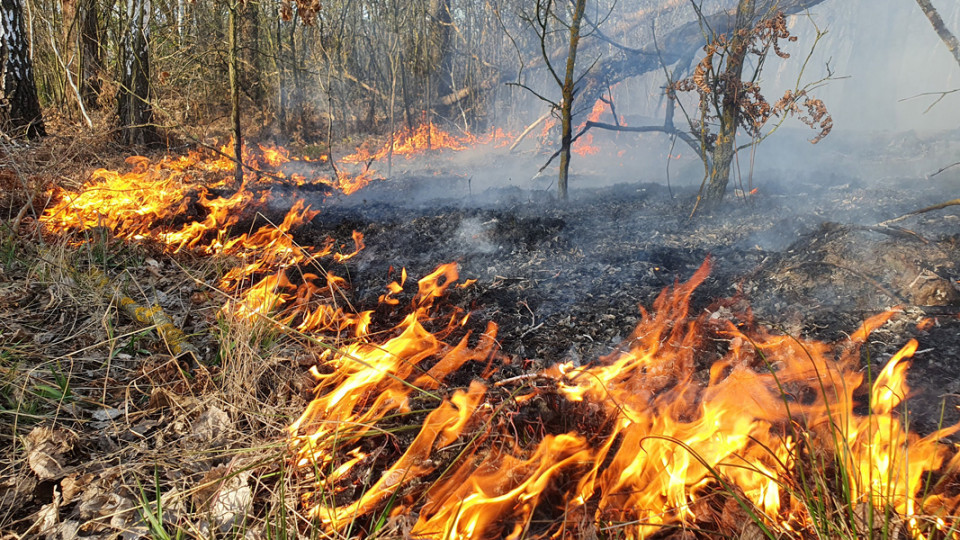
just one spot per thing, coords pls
(668, 129)
(527, 131)
(940, 97)
(950, 40)
(954, 202)
(950, 166)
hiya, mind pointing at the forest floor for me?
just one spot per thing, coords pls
(108, 432)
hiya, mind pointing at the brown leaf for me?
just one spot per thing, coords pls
(752, 531)
(73, 485)
(46, 449)
(225, 494)
(17, 490)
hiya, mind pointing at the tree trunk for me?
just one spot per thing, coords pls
(281, 80)
(725, 145)
(234, 73)
(441, 61)
(133, 96)
(568, 92)
(250, 58)
(19, 107)
(91, 59)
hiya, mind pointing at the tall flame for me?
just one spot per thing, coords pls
(665, 441)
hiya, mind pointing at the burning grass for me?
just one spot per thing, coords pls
(698, 425)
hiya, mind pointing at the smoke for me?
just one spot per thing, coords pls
(474, 235)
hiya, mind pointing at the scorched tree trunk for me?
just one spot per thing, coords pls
(568, 92)
(19, 107)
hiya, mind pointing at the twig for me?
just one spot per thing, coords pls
(950, 166)
(940, 97)
(76, 91)
(954, 202)
(528, 130)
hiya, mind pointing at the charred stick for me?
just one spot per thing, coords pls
(954, 202)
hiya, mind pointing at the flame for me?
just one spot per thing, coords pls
(425, 138)
(691, 409)
(663, 444)
(584, 145)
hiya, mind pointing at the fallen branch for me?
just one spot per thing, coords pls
(669, 130)
(954, 202)
(529, 129)
(950, 166)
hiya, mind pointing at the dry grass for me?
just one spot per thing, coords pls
(104, 431)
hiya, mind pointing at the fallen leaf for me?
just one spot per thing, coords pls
(47, 522)
(211, 427)
(106, 414)
(73, 485)
(225, 494)
(17, 490)
(45, 451)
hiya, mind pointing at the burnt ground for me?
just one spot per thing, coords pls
(564, 281)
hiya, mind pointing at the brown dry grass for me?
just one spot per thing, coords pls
(103, 431)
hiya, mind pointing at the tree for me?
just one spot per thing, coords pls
(567, 94)
(953, 45)
(19, 107)
(234, 69)
(250, 55)
(91, 55)
(133, 97)
(730, 98)
(544, 20)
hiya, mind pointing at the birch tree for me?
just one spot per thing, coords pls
(19, 107)
(133, 97)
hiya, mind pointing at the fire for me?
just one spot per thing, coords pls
(691, 412)
(584, 145)
(425, 138)
(664, 443)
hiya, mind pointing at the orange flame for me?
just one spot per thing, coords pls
(425, 138)
(584, 145)
(667, 440)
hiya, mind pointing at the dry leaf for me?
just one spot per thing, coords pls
(752, 531)
(47, 523)
(45, 451)
(225, 494)
(160, 398)
(73, 485)
(211, 427)
(17, 490)
(69, 530)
